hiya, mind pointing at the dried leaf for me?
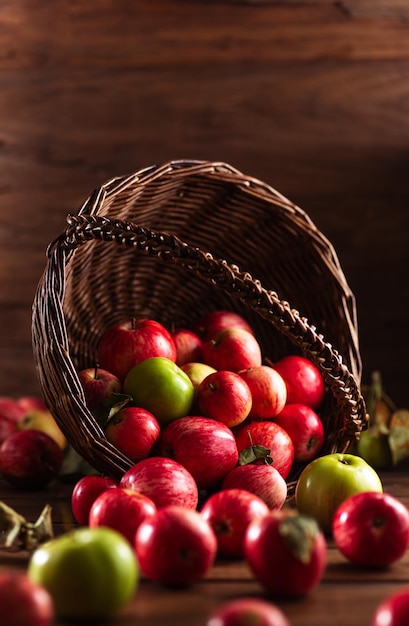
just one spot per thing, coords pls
(17, 533)
(399, 435)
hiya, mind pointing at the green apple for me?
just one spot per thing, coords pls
(373, 446)
(161, 387)
(90, 573)
(328, 480)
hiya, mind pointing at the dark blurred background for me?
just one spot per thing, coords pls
(311, 97)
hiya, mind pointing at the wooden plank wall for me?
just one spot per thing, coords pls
(310, 96)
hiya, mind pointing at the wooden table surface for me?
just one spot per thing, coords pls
(346, 595)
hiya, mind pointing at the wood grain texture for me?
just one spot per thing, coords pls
(311, 97)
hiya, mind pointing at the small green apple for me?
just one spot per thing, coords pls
(373, 446)
(328, 480)
(161, 387)
(90, 573)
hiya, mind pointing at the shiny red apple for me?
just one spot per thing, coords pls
(264, 480)
(225, 397)
(371, 529)
(121, 509)
(232, 349)
(99, 385)
(297, 547)
(85, 491)
(205, 447)
(188, 346)
(304, 381)
(214, 321)
(132, 341)
(229, 512)
(271, 437)
(134, 431)
(305, 428)
(268, 391)
(165, 481)
(175, 547)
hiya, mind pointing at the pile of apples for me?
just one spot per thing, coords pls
(204, 397)
(212, 433)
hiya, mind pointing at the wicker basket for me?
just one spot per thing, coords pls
(173, 242)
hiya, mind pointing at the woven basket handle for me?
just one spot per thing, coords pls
(241, 285)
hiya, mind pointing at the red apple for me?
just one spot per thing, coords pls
(7, 427)
(128, 343)
(268, 391)
(371, 529)
(304, 381)
(24, 602)
(175, 546)
(232, 349)
(11, 408)
(30, 459)
(295, 543)
(211, 323)
(134, 431)
(225, 397)
(265, 481)
(271, 437)
(205, 447)
(246, 611)
(188, 346)
(86, 490)
(393, 610)
(229, 512)
(305, 428)
(165, 481)
(32, 403)
(121, 509)
(99, 385)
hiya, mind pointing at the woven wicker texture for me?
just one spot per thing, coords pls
(171, 243)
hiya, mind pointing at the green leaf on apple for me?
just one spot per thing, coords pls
(254, 453)
(110, 407)
(299, 533)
